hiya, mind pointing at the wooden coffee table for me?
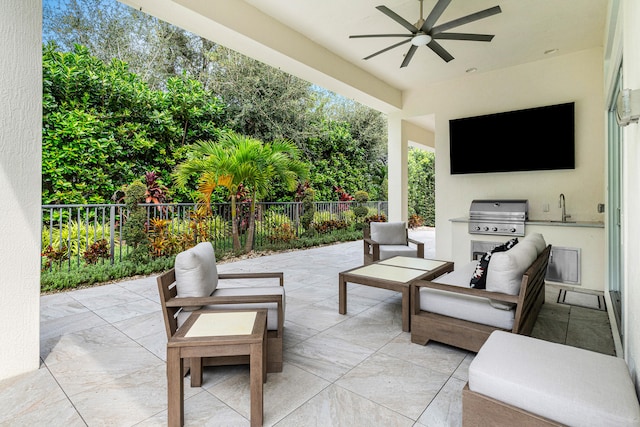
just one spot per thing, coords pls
(210, 333)
(395, 274)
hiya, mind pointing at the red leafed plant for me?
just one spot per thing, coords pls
(156, 193)
(343, 196)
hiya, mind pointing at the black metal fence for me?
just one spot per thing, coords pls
(73, 234)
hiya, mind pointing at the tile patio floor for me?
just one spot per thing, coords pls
(103, 356)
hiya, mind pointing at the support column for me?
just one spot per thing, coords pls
(20, 185)
(398, 171)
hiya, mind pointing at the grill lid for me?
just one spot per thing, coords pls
(510, 210)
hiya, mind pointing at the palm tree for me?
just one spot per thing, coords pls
(277, 160)
(235, 161)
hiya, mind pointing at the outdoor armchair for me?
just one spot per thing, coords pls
(384, 240)
(194, 283)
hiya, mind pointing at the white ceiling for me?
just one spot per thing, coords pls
(523, 32)
(310, 39)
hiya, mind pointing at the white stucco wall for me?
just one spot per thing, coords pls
(576, 77)
(20, 184)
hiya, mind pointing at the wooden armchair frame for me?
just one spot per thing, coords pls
(172, 306)
(372, 248)
(427, 326)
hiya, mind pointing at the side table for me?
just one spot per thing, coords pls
(210, 333)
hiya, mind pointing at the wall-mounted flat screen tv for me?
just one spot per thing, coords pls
(540, 138)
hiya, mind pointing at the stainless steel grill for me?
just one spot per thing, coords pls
(498, 217)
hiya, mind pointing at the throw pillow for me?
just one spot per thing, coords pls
(479, 278)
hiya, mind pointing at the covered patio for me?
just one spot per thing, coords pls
(101, 358)
(103, 355)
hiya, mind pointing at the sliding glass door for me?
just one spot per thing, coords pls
(614, 204)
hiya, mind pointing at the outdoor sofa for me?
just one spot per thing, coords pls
(448, 310)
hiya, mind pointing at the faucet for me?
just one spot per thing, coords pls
(562, 205)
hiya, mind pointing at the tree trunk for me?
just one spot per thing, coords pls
(234, 225)
(248, 246)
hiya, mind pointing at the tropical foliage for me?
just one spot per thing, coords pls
(178, 88)
(103, 127)
(236, 162)
(422, 187)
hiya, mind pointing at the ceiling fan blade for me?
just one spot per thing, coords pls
(408, 56)
(387, 48)
(464, 36)
(363, 36)
(434, 15)
(399, 19)
(440, 51)
(466, 19)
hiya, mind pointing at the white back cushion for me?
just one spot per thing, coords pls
(537, 240)
(507, 268)
(389, 233)
(196, 272)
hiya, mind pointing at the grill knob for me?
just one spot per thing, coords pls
(494, 229)
(513, 230)
(486, 229)
(477, 228)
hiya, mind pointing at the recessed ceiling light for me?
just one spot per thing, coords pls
(471, 70)
(550, 51)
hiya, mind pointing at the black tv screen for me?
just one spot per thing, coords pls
(540, 138)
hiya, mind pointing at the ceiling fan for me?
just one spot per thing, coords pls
(425, 32)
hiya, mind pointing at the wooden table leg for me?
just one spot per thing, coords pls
(406, 309)
(342, 295)
(175, 388)
(264, 356)
(256, 374)
(195, 364)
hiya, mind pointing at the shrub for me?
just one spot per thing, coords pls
(73, 235)
(376, 218)
(308, 208)
(348, 216)
(361, 196)
(331, 225)
(98, 250)
(282, 233)
(320, 216)
(52, 254)
(360, 212)
(161, 241)
(204, 227)
(415, 221)
(134, 232)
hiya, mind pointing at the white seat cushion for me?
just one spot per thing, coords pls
(569, 385)
(465, 307)
(196, 272)
(272, 308)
